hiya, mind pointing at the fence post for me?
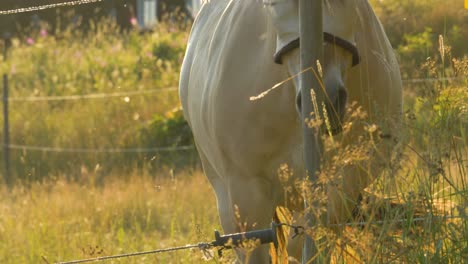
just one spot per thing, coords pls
(311, 50)
(6, 125)
(6, 131)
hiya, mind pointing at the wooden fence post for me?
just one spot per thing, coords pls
(6, 132)
(6, 125)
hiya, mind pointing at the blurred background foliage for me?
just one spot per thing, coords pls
(413, 27)
(91, 52)
(81, 16)
(83, 133)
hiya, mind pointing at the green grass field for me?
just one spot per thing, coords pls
(66, 206)
(60, 220)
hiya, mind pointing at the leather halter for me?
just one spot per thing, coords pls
(327, 37)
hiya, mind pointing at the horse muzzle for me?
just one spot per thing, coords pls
(335, 110)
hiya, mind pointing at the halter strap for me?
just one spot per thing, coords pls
(343, 43)
(327, 37)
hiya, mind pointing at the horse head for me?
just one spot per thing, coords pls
(340, 52)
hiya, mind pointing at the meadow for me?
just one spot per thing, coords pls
(70, 202)
(61, 220)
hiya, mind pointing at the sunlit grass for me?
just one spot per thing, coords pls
(60, 220)
(415, 212)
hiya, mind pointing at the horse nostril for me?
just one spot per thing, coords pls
(299, 103)
(340, 102)
(338, 106)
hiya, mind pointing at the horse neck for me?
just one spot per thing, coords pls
(377, 78)
(372, 29)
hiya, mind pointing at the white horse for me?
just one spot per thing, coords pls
(242, 143)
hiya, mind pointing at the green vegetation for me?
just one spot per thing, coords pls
(105, 62)
(414, 26)
(68, 205)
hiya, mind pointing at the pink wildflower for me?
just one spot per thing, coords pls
(30, 41)
(133, 21)
(43, 33)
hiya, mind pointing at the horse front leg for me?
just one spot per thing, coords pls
(251, 206)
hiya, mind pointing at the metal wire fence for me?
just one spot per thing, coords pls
(49, 6)
(100, 150)
(89, 96)
(126, 94)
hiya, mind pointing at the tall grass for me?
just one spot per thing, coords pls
(416, 210)
(60, 220)
(103, 60)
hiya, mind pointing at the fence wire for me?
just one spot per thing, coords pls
(412, 220)
(200, 245)
(426, 80)
(126, 94)
(94, 150)
(49, 6)
(89, 96)
(99, 150)
(204, 246)
(161, 90)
